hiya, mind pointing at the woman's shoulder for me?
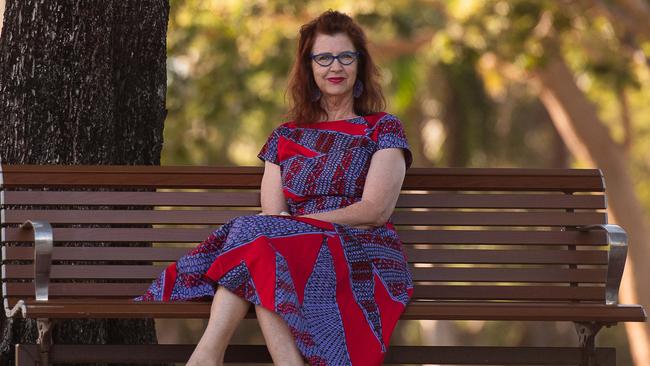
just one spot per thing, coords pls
(287, 125)
(379, 118)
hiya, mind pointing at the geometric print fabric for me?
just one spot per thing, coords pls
(340, 289)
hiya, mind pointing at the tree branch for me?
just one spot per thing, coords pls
(633, 15)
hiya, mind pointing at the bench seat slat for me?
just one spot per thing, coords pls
(440, 310)
(463, 256)
(179, 235)
(252, 199)
(188, 217)
(458, 274)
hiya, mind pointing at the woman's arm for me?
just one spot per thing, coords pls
(380, 193)
(273, 201)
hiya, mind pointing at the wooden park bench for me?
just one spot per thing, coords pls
(484, 244)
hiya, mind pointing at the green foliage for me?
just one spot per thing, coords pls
(227, 70)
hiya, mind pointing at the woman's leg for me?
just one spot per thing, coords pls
(278, 338)
(226, 313)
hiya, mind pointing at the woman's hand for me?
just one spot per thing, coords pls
(283, 213)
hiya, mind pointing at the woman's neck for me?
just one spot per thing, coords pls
(338, 108)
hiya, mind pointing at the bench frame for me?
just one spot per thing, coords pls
(44, 352)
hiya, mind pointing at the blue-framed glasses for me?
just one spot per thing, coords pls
(326, 59)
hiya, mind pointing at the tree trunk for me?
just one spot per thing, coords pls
(468, 115)
(82, 83)
(576, 119)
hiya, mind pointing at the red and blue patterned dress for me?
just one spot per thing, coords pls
(340, 289)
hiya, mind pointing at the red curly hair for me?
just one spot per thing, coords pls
(302, 86)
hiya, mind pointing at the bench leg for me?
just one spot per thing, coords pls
(44, 341)
(26, 355)
(587, 332)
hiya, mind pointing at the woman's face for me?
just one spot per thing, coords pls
(335, 80)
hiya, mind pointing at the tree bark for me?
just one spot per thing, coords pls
(82, 83)
(577, 121)
(468, 112)
(2, 13)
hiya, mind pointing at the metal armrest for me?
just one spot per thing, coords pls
(617, 254)
(43, 243)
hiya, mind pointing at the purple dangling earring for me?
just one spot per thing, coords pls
(358, 88)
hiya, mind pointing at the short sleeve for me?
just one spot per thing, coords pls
(269, 151)
(389, 133)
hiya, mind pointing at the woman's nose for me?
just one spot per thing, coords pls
(336, 65)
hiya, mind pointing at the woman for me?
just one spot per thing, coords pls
(323, 264)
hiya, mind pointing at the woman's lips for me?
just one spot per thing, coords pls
(335, 80)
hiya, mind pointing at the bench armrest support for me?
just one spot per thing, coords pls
(617, 254)
(43, 243)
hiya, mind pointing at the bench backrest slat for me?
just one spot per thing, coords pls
(479, 179)
(252, 199)
(455, 274)
(60, 290)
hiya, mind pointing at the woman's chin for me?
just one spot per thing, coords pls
(337, 94)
